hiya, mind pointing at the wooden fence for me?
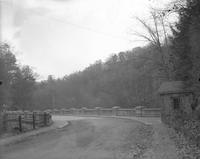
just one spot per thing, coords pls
(115, 111)
(25, 120)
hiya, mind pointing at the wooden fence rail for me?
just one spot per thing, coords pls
(25, 120)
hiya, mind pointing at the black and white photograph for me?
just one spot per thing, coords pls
(99, 79)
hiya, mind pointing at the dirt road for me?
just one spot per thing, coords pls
(93, 138)
(85, 139)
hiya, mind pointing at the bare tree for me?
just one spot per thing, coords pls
(158, 37)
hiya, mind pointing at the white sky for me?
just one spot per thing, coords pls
(59, 37)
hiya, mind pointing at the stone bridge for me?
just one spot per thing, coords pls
(114, 111)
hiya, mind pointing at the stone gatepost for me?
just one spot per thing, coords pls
(71, 111)
(55, 111)
(115, 110)
(4, 121)
(83, 110)
(138, 111)
(48, 111)
(98, 111)
(62, 111)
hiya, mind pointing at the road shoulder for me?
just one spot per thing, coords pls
(20, 137)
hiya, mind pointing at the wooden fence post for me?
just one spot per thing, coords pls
(33, 120)
(20, 123)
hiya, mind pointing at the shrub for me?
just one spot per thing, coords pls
(188, 125)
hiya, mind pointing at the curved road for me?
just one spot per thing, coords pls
(88, 138)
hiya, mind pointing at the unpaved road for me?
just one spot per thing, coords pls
(85, 139)
(95, 138)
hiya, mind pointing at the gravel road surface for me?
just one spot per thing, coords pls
(95, 138)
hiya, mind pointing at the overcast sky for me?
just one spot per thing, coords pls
(59, 37)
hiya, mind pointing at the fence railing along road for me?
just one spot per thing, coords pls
(25, 120)
(115, 111)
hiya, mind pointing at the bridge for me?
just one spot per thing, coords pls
(139, 111)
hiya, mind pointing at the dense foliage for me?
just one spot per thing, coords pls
(186, 52)
(186, 40)
(17, 81)
(126, 79)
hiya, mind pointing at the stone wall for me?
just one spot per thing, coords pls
(115, 111)
(167, 107)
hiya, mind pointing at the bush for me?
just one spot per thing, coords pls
(188, 125)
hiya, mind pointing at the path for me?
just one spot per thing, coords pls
(96, 138)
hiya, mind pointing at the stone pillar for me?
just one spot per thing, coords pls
(98, 111)
(83, 112)
(48, 111)
(63, 111)
(72, 111)
(138, 111)
(115, 110)
(4, 121)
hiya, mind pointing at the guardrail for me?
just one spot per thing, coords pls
(25, 120)
(115, 111)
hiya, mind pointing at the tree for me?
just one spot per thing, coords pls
(186, 42)
(8, 67)
(124, 79)
(157, 36)
(23, 86)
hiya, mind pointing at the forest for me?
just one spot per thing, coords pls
(126, 79)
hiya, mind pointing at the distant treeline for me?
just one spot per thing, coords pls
(125, 79)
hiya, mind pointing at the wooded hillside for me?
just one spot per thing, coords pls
(125, 79)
